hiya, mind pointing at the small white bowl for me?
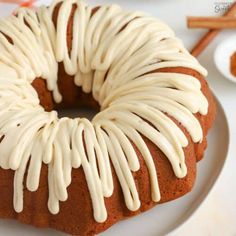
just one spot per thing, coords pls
(222, 56)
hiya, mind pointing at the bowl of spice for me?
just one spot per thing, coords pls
(225, 58)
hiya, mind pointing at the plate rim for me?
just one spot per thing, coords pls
(206, 195)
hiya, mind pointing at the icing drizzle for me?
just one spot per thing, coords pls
(114, 55)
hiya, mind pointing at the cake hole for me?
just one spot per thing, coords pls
(75, 103)
(82, 112)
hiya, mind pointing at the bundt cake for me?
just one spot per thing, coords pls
(139, 150)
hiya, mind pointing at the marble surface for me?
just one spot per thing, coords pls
(217, 216)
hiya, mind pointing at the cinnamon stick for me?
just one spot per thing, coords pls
(211, 22)
(211, 34)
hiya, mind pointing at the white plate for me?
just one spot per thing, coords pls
(164, 218)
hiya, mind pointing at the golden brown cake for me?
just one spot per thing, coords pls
(140, 150)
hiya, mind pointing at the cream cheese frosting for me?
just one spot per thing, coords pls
(115, 56)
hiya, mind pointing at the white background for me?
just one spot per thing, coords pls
(217, 216)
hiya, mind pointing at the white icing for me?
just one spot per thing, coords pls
(114, 55)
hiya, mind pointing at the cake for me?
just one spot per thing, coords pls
(141, 148)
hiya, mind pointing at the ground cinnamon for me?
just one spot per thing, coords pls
(233, 64)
